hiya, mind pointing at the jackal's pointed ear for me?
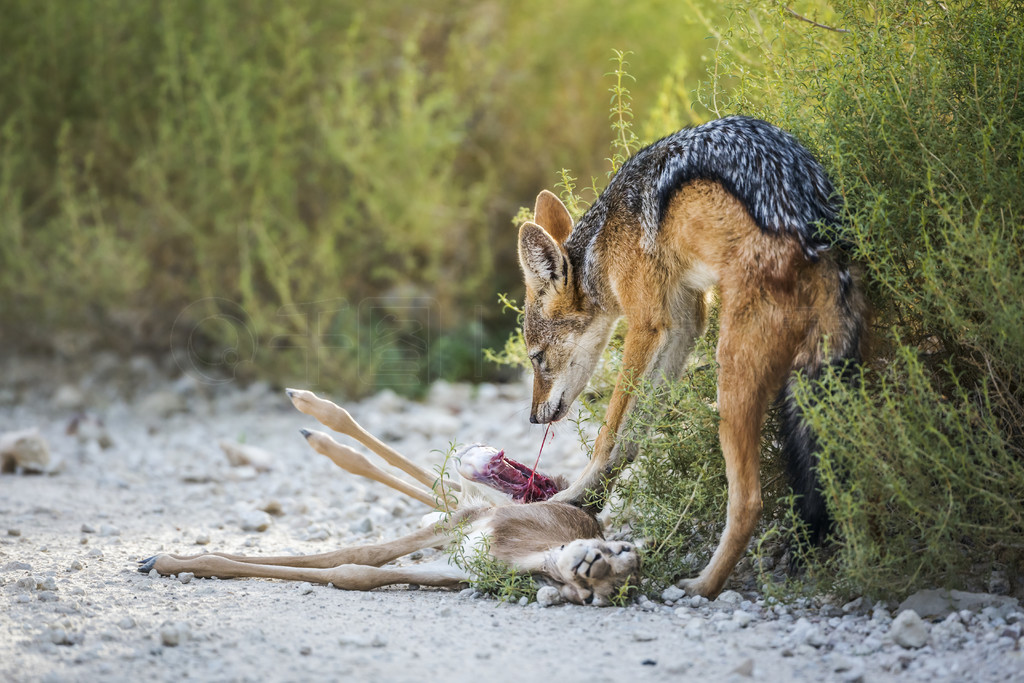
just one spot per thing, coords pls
(550, 213)
(543, 260)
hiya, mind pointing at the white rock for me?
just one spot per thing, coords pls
(729, 598)
(173, 634)
(672, 593)
(60, 636)
(742, 618)
(109, 530)
(908, 630)
(950, 632)
(548, 596)
(245, 455)
(186, 577)
(854, 606)
(25, 449)
(806, 633)
(68, 397)
(256, 520)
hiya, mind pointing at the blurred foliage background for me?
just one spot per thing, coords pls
(307, 190)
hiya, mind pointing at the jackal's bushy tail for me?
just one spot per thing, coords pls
(841, 349)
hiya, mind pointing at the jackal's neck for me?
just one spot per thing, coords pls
(584, 255)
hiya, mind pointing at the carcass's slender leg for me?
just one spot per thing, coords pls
(346, 576)
(338, 419)
(355, 462)
(369, 555)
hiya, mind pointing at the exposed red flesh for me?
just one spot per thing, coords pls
(514, 478)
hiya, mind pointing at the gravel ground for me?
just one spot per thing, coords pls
(136, 469)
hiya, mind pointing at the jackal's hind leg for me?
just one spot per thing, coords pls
(754, 351)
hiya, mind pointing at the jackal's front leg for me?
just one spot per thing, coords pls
(655, 353)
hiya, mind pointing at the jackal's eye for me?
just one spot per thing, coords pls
(537, 358)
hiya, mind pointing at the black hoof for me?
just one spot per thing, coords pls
(290, 393)
(146, 566)
(306, 433)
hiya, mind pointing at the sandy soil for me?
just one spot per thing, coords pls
(143, 473)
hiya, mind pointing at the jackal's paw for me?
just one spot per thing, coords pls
(593, 570)
(698, 586)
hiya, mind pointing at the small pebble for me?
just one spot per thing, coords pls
(548, 596)
(186, 577)
(203, 539)
(256, 520)
(672, 593)
(59, 636)
(173, 634)
(908, 630)
(742, 618)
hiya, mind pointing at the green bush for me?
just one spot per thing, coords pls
(914, 109)
(319, 189)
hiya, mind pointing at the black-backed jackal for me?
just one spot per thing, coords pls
(735, 203)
